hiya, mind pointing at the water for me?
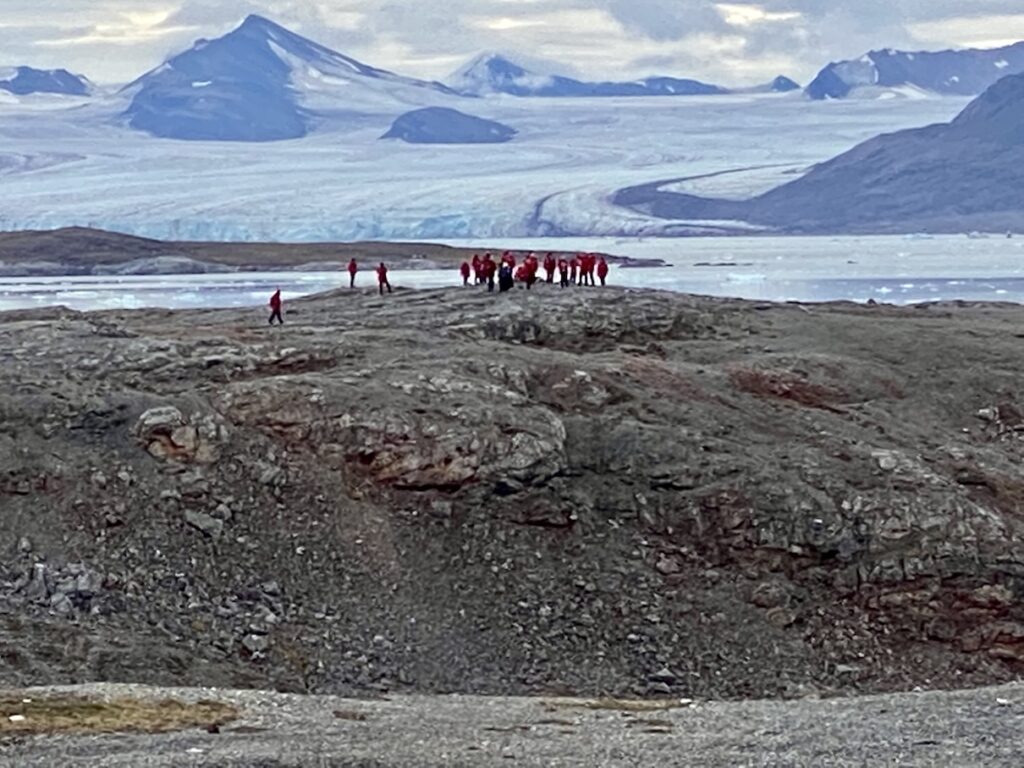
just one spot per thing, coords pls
(899, 270)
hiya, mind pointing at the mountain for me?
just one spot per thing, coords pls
(962, 73)
(23, 81)
(780, 84)
(951, 177)
(262, 82)
(492, 73)
(440, 125)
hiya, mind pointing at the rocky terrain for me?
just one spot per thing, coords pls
(83, 251)
(968, 729)
(586, 492)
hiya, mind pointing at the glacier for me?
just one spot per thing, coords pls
(81, 166)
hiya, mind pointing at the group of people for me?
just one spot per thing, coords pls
(578, 270)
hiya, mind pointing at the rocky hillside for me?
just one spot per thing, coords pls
(545, 492)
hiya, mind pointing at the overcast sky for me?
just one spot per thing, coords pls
(725, 42)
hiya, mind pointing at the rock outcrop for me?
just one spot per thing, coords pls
(590, 491)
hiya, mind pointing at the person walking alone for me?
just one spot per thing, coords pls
(464, 270)
(275, 308)
(602, 271)
(382, 279)
(352, 269)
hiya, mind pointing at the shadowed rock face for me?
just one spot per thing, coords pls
(439, 125)
(596, 491)
(961, 73)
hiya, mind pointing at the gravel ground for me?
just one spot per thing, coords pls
(983, 727)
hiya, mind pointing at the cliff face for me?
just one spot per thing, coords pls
(586, 491)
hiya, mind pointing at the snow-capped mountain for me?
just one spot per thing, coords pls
(262, 82)
(24, 81)
(440, 125)
(493, 73)
(963, 73)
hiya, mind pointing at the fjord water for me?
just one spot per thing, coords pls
(890, 269)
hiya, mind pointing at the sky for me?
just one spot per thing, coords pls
(729, 43)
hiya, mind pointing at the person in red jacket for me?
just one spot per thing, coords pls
(352, 269)
(563, 272)
(488, 270)
(574, 266)
(602, 270)
(587, 269)
(382, 279)
(549, 267)
(532, 266)
(275, 308)
(477, 275)
(508, 258)
(464, 271)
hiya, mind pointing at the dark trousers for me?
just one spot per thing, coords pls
(564, 280)
(276, 315)
(490, 284)
(602, 281)
(384, 284)
(352, 280)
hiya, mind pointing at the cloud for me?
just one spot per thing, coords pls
(730, 41)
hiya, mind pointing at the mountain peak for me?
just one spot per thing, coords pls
(260, 82)
(28, 80)
(997, 115)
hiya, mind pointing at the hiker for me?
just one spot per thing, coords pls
(464, 270)
(602, 270)
(508, 258)
(574, 266)
(505, 279)
(488, 269)
(591, 267)
(563, 272)
(532, 267)
(352, 269)
(382, 279)
(275, 308)
(477, 276)
(549, 267)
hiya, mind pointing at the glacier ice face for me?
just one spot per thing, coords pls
(341, 182)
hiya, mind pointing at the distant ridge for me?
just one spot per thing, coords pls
(961, 73)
